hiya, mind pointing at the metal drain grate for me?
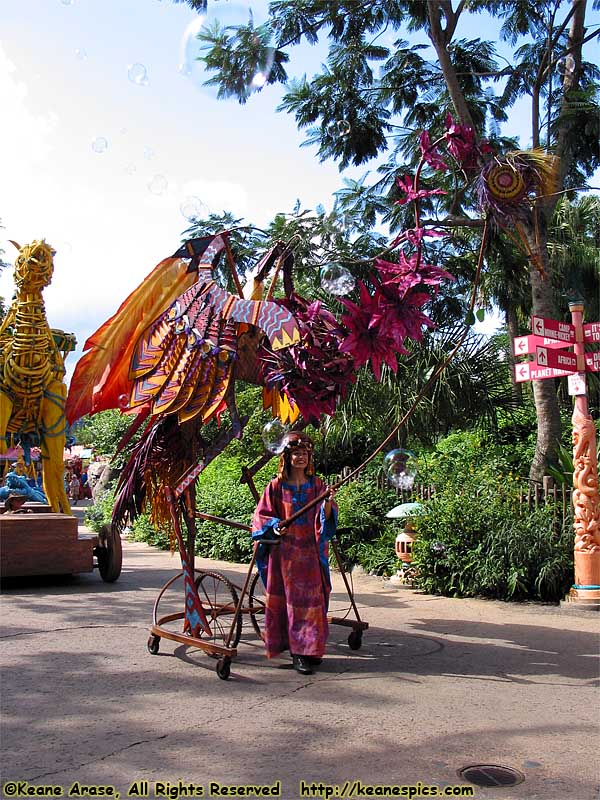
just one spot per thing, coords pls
(491, 775)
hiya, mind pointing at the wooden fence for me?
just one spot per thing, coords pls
(532, 497)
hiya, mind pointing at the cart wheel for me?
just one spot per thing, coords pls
(256, 601)
(153, 645)
(223, 668)
(109, 554)
(355, 640)
(219, 600)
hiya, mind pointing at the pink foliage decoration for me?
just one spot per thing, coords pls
(317, 373)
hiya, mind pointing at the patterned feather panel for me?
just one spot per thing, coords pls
(178, 387)
(202, 390)
(276, 321)
(191, 364)
(146, 389)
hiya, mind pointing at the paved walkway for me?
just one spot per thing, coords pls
(438, 684)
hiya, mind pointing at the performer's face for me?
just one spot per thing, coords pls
(299, 453)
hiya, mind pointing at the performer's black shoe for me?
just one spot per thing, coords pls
(302, 665)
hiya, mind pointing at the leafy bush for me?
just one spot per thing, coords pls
(366, 537)
(475, 539)
(101, 512)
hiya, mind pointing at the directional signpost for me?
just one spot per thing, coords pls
(549, 340)
(558, 359)
(552, 329)
(534, 371)
(523, 345)
(591, 332)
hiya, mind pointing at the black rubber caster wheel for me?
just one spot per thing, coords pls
(109, 554)
(223, 668)
(153, 645)
(355, 640)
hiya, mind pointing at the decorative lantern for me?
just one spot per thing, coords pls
(406, 537)
(404, 543)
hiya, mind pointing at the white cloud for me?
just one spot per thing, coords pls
(24, 131)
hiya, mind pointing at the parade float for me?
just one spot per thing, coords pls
(32, 411)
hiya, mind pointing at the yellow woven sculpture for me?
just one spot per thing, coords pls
(32, 390)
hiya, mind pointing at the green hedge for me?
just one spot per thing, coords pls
(476, 538)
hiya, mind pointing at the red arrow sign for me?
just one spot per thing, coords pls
(557, 359)
(528, 344)
(592, 362)
(552, 329)
(591, 332)
(532, 371)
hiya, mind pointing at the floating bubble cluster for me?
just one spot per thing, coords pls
(138, 74)
(400, 467)
(336, 279)
(273, 436)
(193, 208)
(158, 184)
(100, 144)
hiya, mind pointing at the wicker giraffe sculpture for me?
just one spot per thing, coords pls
(32, 390)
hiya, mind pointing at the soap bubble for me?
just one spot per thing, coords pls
(130, 169)
(273, 436)
(339, 128)
(193, 208)
(400, 468)
(67, 2)
(226, 14)
(336, 279)
(148, 153)
(123, 401)
(158, 184)
(565, 65)
(138, 74)
(81, 53)
(100, 144)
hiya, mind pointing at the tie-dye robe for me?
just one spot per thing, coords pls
(296, 571)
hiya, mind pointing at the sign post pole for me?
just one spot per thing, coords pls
(586, 502)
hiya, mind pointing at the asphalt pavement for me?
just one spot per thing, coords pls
(438, 685)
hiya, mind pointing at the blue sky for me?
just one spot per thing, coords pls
(113, 215)
(67, 93)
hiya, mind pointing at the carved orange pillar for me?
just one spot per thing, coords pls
(586, 501)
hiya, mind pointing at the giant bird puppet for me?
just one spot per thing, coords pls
(170, 356)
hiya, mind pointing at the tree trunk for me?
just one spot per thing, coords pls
(440, 39)
(544, 392)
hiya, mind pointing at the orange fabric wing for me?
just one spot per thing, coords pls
(101, 375)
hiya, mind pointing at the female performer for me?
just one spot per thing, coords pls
(295, 570)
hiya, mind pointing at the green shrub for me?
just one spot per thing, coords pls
(144, 531)
(101, 512)
(476, 540)
(366, 537)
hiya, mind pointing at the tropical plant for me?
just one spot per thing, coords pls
(377, 92)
